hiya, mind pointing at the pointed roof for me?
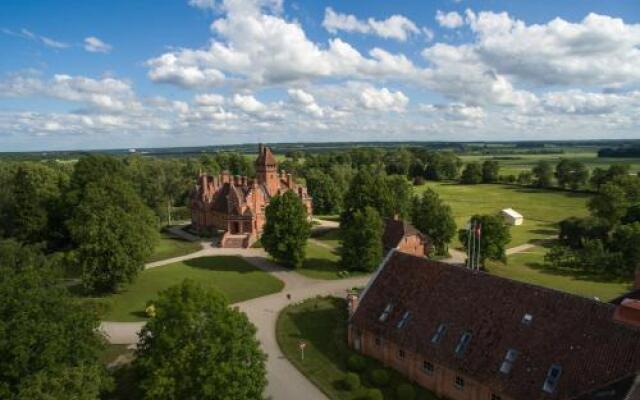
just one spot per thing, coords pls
(265, 156)
(395, 230)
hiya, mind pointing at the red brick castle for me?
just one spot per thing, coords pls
(236, 204)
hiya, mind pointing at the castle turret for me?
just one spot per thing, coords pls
(267, 170)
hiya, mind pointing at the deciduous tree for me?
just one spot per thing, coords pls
(362, 241)
(286, 230)
(197, 347)
(494, 236)
(433, 217)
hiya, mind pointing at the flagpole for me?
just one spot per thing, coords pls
(469, 230)
(479, 243)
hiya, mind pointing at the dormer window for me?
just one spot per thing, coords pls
(463, 343)
(440, 332)
(385, 314)
(405, 319)
(509, 360)
(552, 378)
(527, 319)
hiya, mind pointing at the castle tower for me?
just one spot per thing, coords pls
(267, 170)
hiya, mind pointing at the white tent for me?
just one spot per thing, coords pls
(512, 217)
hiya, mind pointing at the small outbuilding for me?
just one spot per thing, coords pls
(512, 217)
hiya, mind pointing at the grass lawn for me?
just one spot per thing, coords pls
(321, 323)
(113, 351)
(330, 237)
(169, 247)
(542, 209)
(529, 267)
(232, 276)
(320, 262)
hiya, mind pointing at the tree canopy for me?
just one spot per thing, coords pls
(434, 217)
(286, 230)
(494, 237)
(472, 174)
(362, 241)
(197, 347)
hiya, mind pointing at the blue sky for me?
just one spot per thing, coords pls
(116, 73)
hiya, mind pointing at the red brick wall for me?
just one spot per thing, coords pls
(442, 381)
(413, 245)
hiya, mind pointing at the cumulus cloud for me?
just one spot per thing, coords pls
(449, 20)
(455, 111)
(210, 99)
(106, 94)
(395, 27)
(305, 101)
(383, 99)
(94, 45)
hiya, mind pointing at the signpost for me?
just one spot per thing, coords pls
(302, 345)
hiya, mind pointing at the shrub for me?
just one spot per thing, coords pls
(356, 363)
(405, 391)
(150, 311)
(373, 394)
(418, 181)
(352, 381)
(380, 377)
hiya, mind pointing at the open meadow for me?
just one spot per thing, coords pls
(542, 209)
(232, 276)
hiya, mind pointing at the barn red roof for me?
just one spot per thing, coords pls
(545, 327)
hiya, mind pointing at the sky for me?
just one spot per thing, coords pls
(148, 73)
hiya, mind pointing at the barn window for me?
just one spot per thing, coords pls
(386, 312)
(509, 359)
(405, 319)
(552, 378)
(463, 343)
(440, 332)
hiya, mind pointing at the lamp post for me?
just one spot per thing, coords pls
(302, 345)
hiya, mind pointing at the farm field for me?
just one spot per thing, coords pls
(169, 247)
(232, 276)
(321, 324)
(542, 209)
(516, 163)
(529, 267)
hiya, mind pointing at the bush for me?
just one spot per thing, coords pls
(150, 311)
(418, 181)
(356, 363)
(405, 391)
(373, 394)
(380, 377)
(352, 381)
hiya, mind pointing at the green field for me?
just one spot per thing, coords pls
(321, 324)
(529, 267)
(320, 262)
(525, 162)
(542, 209)
(169, 247)
(232, 276)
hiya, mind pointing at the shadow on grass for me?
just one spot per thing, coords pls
(221, 263)
(580, 275)
(320, 264)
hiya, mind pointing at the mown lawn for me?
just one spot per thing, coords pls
(542, 209)
(529, 267)
(169, 247)
(330, 237)
(320, 262)
(232, 276)
(321, 324)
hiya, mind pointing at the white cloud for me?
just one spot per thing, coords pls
(455, 111)
(449, 20)
(395, 27)
(29, 35)
(94, 45)
(599, 50)
(203, 4)
(305, 101)
(580, 102)
(211, 99)
(383, 100)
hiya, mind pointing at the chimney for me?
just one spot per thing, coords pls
(290, 181)
(226, 178)
(352, 302)
(628, 312)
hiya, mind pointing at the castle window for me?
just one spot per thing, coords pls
(401, 354)
(378, 341)
(405, 319)
(459, 383)
(427, 367)
(440, 332)
(527, 319)
(463, 343)
(495, 397)
(509, 360)
(386, 312)
(552, 378)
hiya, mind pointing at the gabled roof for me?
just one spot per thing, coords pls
(394, 231)
(576, 333)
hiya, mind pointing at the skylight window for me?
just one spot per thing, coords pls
(463, 343)
(440, 332)
(527, 319)
(552, 378)
(509, 360)
(405, 319)
(385, 314)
